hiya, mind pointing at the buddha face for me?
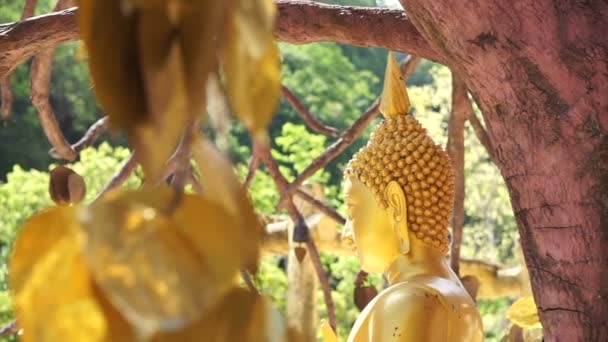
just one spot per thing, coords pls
(372, 226)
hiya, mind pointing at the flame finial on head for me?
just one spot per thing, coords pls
(394, 100)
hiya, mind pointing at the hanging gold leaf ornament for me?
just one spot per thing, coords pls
(251, 62)
(150, 67)
(161, 270)
(49, 281)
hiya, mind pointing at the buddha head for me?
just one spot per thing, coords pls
(399, 187)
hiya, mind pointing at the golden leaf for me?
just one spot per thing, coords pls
(199, 27)
(251, 63)
(240, 316)
(221, 185)
(328, 333)
(523, 312)
(155, 141)
(113, 60)
(161, 271)
(51, 288)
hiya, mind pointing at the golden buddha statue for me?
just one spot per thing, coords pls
(399, 195)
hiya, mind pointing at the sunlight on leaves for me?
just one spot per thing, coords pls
(50, 283)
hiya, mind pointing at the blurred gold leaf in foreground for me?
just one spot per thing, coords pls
(524, 313)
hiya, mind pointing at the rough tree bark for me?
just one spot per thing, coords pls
(538, 69)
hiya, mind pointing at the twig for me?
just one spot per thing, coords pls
(330, 212)
(352, 133)
(88, 139)
(253, 167)
(455, 149)
(178, 164)
(324, 280)
(40, 78)
(310, 120)
(119, 177)
(5, 84)
(9, 329)
(301, 232)
(408, 67)
(250, 285)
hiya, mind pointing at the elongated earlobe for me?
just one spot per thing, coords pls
(396, 200)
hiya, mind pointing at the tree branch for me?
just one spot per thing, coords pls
(301, 22)
(301, 232)
(350, 135)
(310, 120)
(6, 102)
(330, 212)
(21, 40)
(88, 139)
(119, 177)
(40, 79)
(455, 149)
(298, 22)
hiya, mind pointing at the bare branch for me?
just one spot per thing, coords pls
(455, 149)
(88, 139)
(9, 329)
(247, 279)
(21, 40)
(409, 66)
(29, 8)
(324, 280)
(350, 135)
(119, 177)
(310, 120)
(6, 102)
(330, 212)
(40, 78)
(301, 232)
(301, 22)
(298, 22)
(253, 167)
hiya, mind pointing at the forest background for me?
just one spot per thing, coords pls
(335, 82)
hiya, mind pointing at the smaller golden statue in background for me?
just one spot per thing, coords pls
(399, 194)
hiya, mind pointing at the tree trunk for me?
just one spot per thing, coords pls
(539, 71)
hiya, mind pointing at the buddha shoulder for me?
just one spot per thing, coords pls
(404, 312)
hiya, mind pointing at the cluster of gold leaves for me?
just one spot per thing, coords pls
(127, 267)
(400, 150)
(150, 62)
(155, 263)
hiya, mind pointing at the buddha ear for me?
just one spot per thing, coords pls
(396, 200)
(398, 203)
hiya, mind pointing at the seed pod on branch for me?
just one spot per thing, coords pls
(66, 186)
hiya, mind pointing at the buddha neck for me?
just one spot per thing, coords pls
(420, 260)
